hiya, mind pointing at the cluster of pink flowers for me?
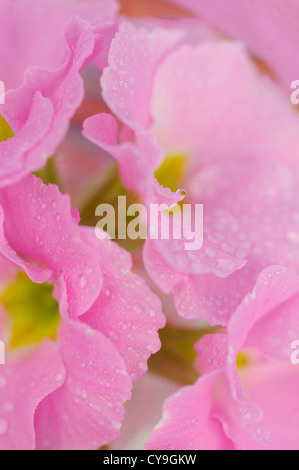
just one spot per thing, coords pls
(185, 94)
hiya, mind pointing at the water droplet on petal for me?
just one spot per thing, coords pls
(83, 281)
(293, 237)
(3, 381)
(8, 406)
(116, 424)
(3, 426)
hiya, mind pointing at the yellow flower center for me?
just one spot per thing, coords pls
(5, 130)
(242, 360)
(34, 311)
(171, 172)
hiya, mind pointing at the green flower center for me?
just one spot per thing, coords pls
(34, 311)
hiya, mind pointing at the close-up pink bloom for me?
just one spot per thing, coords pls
(244, 176)
(86, 374)
(246, 397)
(149, 225)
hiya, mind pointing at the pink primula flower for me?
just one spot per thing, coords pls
(269, 28)
(39, 111)
(247, 400)
(32, 33)
(190, 116)
(205, 102)
(69, 393)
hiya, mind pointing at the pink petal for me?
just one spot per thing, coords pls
(27, 37)
(268, 312)
(263, 124)
(249, 113)
(253, 403)
(212, 352)
(133, 59)
(187, 423)
(143, 411)
(127, 86)
(273, 388)
(23, 385)
(136, 165)
(262, 197)
(269, 28)
(47, 101)
(210, 298)
(50, 238)
(8, 272)
(265, 306)
(126, 311)
(164, 275)
(86, 412)
(211, 257)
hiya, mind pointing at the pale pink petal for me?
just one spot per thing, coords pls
(269, 28)
(51, 246)
(39, 112)
(136, 165)
(37, 273)
(250, 202)
(263, 197)
(143, 411)
(254, 402)
(133, 59)
(212, 298)
(23, 385)
(271, 308)
(126, 311)
(195, 31)
(86, 412)
(222, 93)
(212, 353)
(273, 334)
(273, 388)
(127, 87)
(188, 423)
(265, 306)
(27, 37)
(8, 271)
(212, 257)
(164, 275)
